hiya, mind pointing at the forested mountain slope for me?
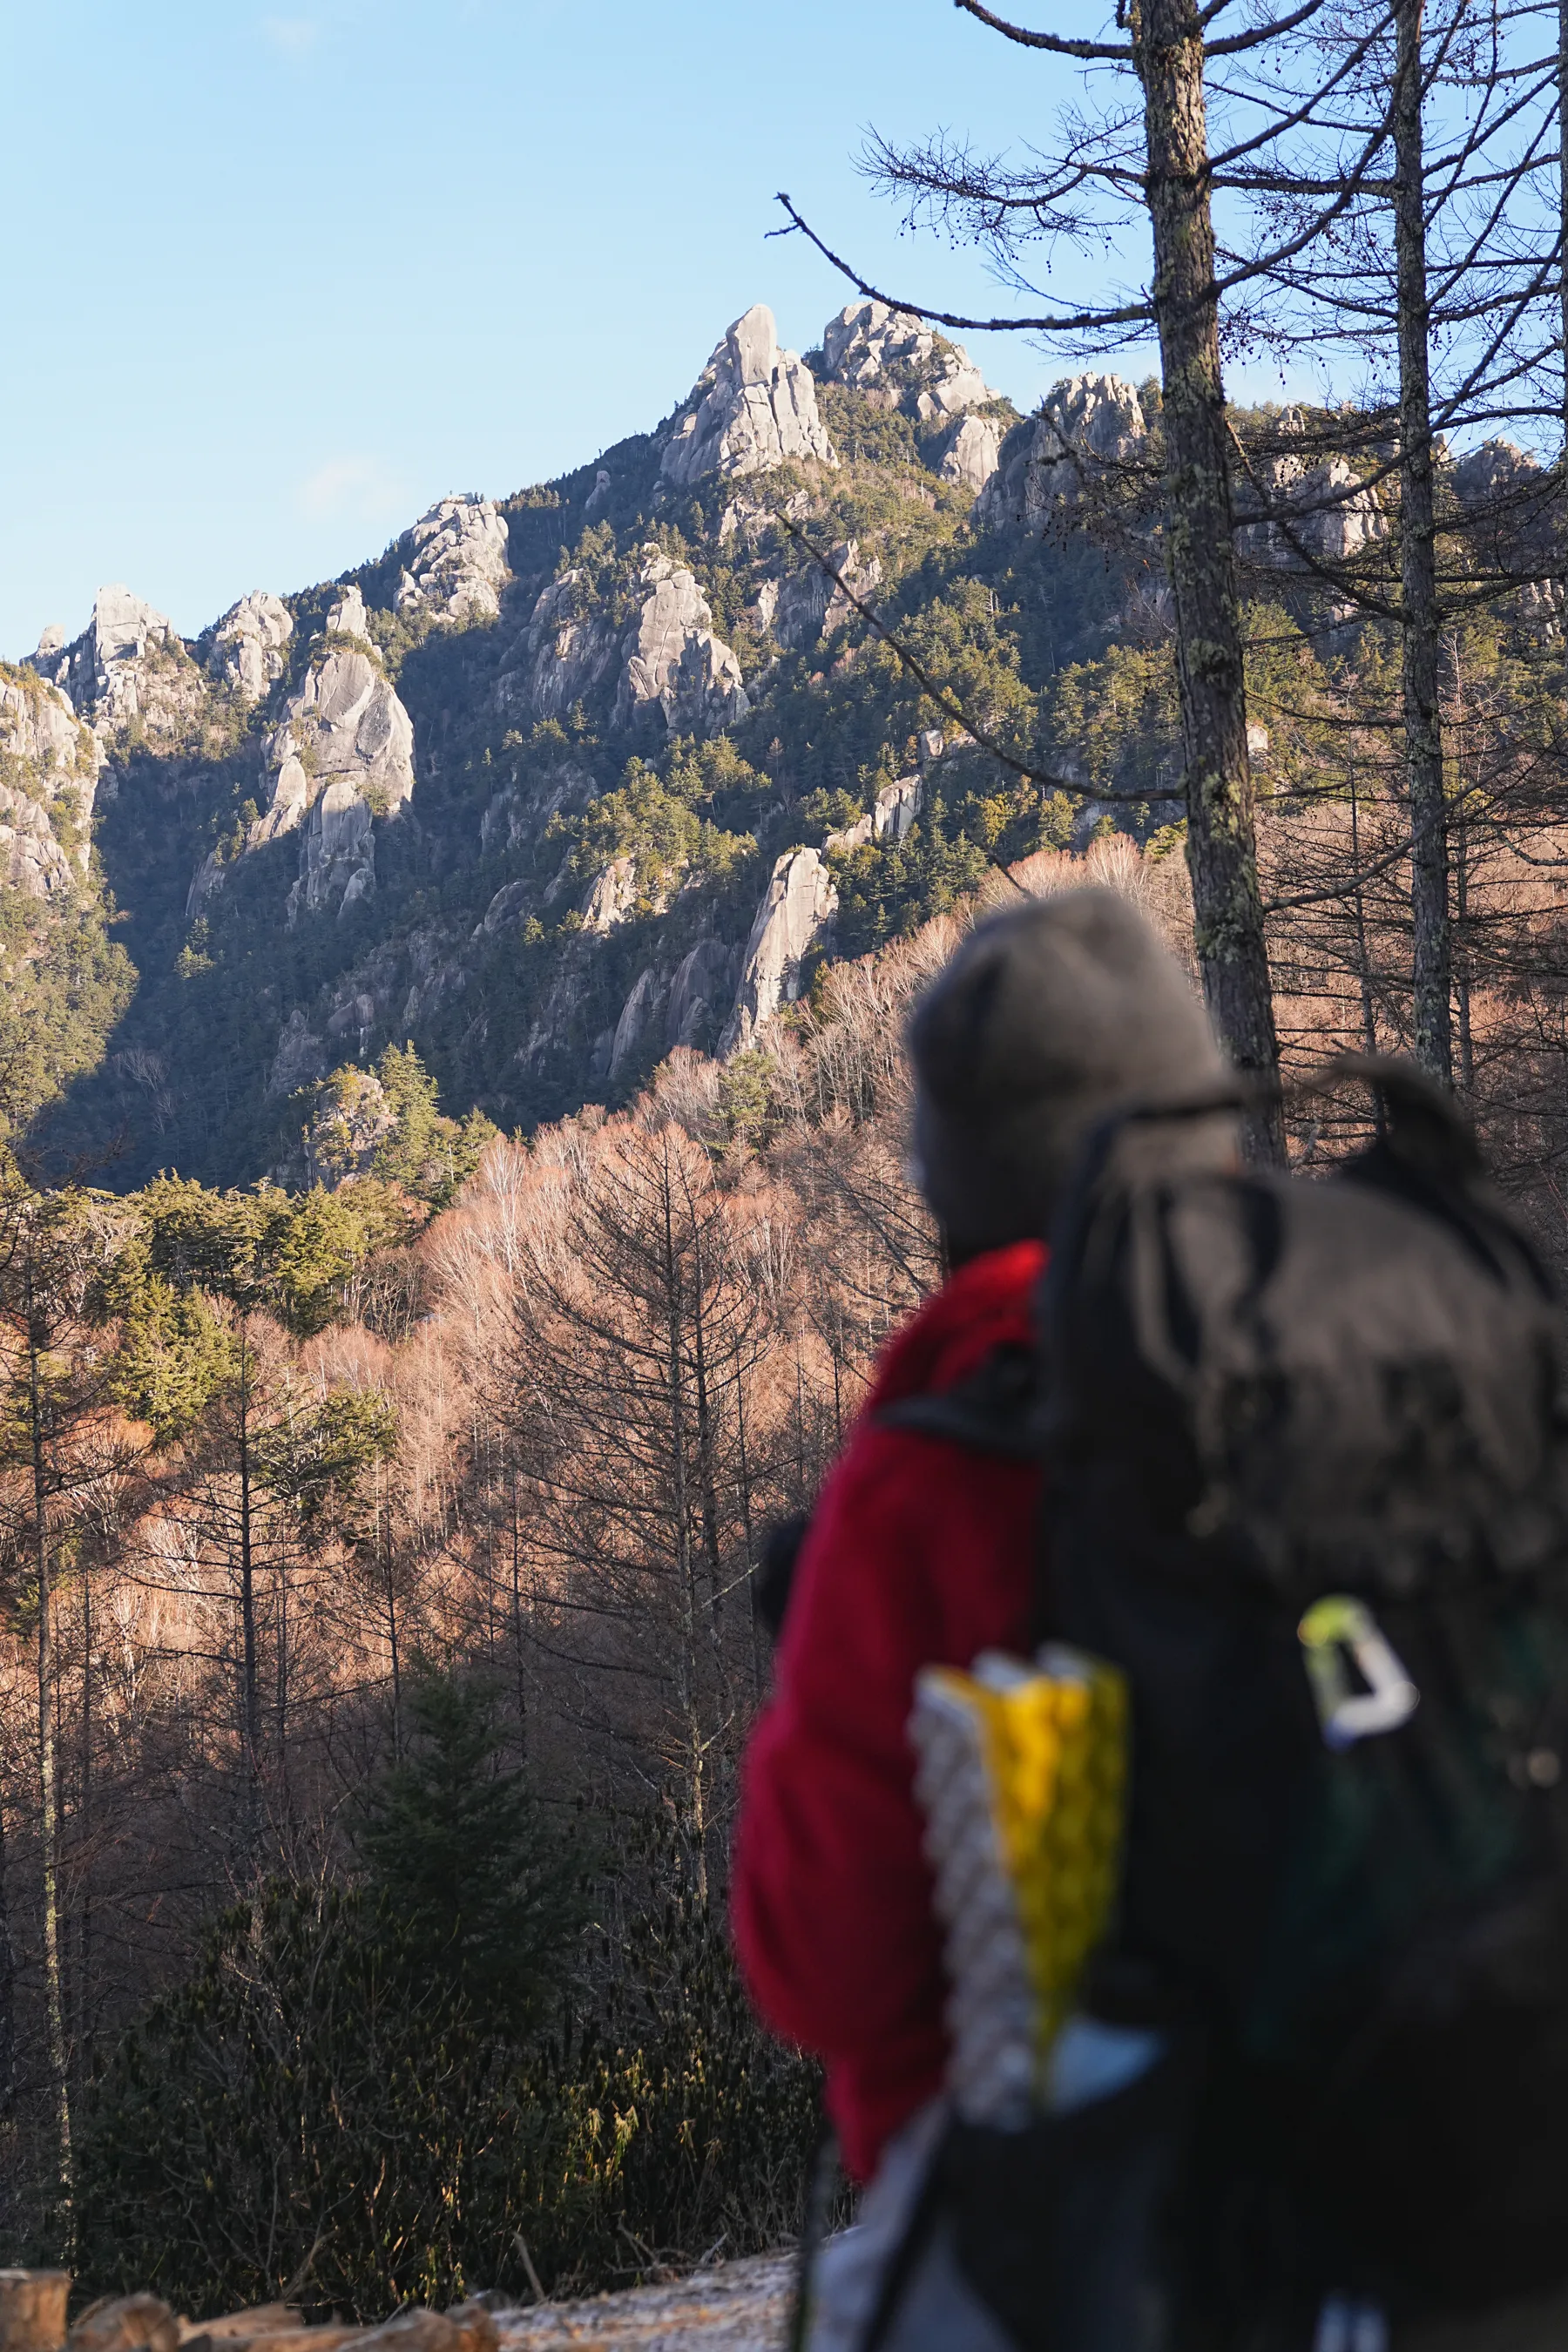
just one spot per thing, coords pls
(559, 782)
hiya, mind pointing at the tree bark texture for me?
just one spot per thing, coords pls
(48, 1759)
(1221, 841)
(1562, 226)
(250, 1667)
(1432, 954)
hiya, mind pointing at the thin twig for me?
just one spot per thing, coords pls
(1348, 888)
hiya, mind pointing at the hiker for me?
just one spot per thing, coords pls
(1050, 1016)
(1195, 1596)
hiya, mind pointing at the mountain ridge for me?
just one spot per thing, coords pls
(561, 782)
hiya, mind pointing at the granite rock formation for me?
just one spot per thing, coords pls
(49, 765)
(612, 897)
(808, 605)
(753, 407)
(672, 659)
(969, 452)
(342, 755)
(1086, 429)
(895, 358)
(892, 814)
(128, 671)
(538, 948)
(455, 561)
(249, 648)
(567, 647)
(701, 989)
(800, 901)
(1323, 510)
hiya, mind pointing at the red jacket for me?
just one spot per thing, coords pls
(920, 1552)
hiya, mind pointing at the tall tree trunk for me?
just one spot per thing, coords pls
(8, 1983)
(1221, 837)
(687, 1695)
(389, 1585)
(1363, 953)
(250, 1687)
(521, 1693)
(49, 1757)
(1432, 973)
(746, 1525)
(1563, 237)
(84, 2034)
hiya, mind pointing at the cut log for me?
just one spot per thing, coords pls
(125, 2323)
(293, 2338)
(468, 2328)
(33, 2310)
(260, 2319)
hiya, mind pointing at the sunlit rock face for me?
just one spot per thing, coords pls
(753, 407)
(893, 356)
(250, 644)
(128, 673)
(969, 452)
(799, 903)
(672, 660)
(341, 757)
(566, 649)
(49, 765)
(667, 661)
(801, 607)
(1086, 427)
(1323, 510)
(455, 561)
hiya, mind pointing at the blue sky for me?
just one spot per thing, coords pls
(281, 277)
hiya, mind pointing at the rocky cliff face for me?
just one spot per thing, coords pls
(560, 784)
(672, 660)
(455, 561)
(128, 672)
(754, 407)
(1322, 508)
(341, 756)
(49, 767)
(1089, 431)
(798, 905)
(898, 362)
(249, 648)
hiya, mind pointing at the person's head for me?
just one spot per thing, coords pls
(1050, 1016)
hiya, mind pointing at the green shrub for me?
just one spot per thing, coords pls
(414, 2087)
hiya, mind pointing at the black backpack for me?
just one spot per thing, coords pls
(1345, 1891)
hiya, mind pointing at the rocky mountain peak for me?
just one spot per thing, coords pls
(248, 643)
(341, 756)
(347, 617)
(1096, 416)
(50, 764)
(1086, 427)
(454, 560)
(893, 356)
(662, 769)
(753, 407)
(1497, 468)
(127, 666)
(1323, 507)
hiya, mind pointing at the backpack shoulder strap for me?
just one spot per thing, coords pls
(992, 1412)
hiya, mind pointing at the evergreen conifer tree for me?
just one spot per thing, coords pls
(471, 1880)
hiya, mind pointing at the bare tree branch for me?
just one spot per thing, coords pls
(1129, 315)
(951, 706)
